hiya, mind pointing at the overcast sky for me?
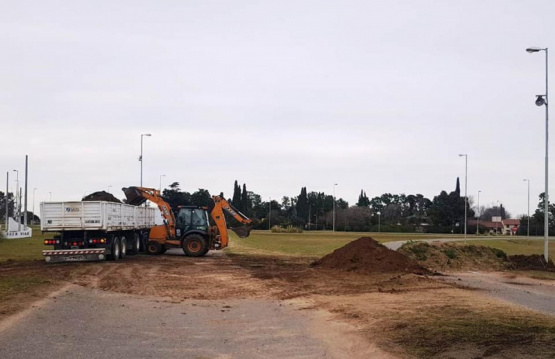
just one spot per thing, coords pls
(374, 95)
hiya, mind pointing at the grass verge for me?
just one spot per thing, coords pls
(471, 331)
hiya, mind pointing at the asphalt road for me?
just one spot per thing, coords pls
(88, 323)
(526, 292)
(533, 294)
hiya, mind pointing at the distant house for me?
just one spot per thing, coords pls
(505, 226)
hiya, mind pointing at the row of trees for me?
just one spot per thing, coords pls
(314, 210)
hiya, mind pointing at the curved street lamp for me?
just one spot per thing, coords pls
(541, 101)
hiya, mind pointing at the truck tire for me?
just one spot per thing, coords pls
(153, 248)
(136, 244)
(194, 245)
(123, 247)
(114, 256)
(144, 241)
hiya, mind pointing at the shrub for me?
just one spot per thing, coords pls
(450, 252)
(288, 229)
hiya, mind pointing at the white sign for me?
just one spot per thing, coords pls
(17, 230)
(496, 219)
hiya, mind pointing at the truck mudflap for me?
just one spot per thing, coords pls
(74, 255)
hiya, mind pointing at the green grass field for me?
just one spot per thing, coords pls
(519, 246)
(315, 243)
(308, 244)
(24, 249)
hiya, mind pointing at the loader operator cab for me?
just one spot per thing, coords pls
(191, 218)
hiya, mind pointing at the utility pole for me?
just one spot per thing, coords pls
(7, 207)
(333, 220)
(465, 188)
(478, 220)
(141, 158)
(528, 226)
(270, 214)
(34, 214)
(26, 177)
(540, 101)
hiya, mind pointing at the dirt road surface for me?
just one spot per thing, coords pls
(89, 323)
(177, 307)
(527, 292)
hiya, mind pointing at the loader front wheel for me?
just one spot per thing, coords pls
(194, 245)
(153, 248)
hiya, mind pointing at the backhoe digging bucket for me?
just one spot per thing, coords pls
(242, 232)
(133, 196)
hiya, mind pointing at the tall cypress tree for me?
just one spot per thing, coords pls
(363, 200)
(245, 202)
(236, 200)
(302, 204)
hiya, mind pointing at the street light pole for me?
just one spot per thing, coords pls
(34, 214)
(270, 214)
(109, 188)
(141, 158)
(333, 212)
(465, 188)
(17, 199)
(161, 182)
(528, 226)
(540, 102)
(50, 196)
(478, 221)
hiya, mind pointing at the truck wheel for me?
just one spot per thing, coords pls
(123, 246)
(144, 241)
(136, 244)
(153, 247)
(194, 245)
(114, 256)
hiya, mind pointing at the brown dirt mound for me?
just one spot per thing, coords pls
(101, 196)
(456, 257)
(367, 255)
(531, 262)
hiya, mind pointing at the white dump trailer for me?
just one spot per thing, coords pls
(94, 230)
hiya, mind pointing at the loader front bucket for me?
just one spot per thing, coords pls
(242, 232)
(133, 196)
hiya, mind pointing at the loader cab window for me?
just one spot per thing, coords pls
(192, 218)
(184, 217)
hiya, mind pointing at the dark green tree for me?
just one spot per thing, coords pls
(175, 197)
(202, 198)
(363, 200)
(303, 205)
(236, 199)
(246, 204)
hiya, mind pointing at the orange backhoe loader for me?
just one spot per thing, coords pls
(191, 229)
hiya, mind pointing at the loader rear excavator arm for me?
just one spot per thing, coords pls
(139, 195)
(217, 214)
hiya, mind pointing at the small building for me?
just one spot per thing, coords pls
(507, 227)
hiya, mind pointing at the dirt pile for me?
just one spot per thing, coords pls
(531, 262)
(367, 255)
(451, 256)
(101, 196)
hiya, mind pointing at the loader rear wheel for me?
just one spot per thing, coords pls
(153, 248)
(194, 245)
